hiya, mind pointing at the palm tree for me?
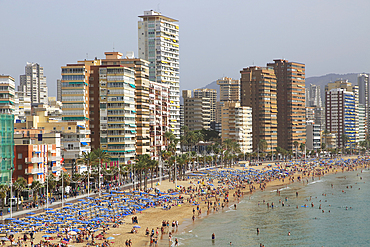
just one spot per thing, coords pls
(3, 190)
(181, 161)
(19, 185)
(345, 139)
(35, 186)
(153, 164)
(141, 165)
(302, 147)
(262, 146)
(326, 133)
(98, 157)
(295, 144)
(86, 159)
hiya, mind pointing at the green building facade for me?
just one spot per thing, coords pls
(6, 147)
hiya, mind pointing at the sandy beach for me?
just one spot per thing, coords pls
(152, 218)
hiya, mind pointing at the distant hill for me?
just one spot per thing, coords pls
(325, 79)
(213, 85)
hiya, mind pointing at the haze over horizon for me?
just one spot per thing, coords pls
(217, 38)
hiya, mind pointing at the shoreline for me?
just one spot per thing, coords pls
(151, 218)
(276, 184)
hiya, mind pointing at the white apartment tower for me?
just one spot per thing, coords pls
(158, 42)
(33, 83)
(314, 96)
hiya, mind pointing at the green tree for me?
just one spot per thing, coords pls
(153, 164)
(295, 144)
(181, 161)
(35, 186)
(3, 190)
(100, 156)
(344, 139)
(141, 166)
(326, 133)
(19, 185)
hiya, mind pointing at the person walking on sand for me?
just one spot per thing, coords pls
(213, 236)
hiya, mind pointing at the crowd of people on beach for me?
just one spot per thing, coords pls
(206, 193)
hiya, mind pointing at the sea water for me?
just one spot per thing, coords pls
(347, 223)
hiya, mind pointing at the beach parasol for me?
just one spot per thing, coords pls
(136, 226)
(46, 236)
(72, 233)
(110, 238)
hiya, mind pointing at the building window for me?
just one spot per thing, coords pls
(20, 167)
(69, 128)
(19, 156)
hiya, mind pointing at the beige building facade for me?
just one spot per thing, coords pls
(237, 125)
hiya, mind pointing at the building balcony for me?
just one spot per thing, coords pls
(84, 132)
(31, 171)
(56, 168)
(54, 158)
(34, 160)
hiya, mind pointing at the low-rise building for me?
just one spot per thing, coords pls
(37, 154)
(313, 136)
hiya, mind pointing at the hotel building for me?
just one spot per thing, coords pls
(258, 91)
(158, 42)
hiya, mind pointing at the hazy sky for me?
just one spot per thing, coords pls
(217, 38)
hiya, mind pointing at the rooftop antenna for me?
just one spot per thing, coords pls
(159, 11)
(87, 56)
(113, 46)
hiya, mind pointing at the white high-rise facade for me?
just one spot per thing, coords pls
(33, 83)
(314, 96)
(158, 38)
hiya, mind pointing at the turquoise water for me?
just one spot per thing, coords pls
(309, 226)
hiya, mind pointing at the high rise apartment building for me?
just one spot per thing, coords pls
(212, 95)
(7, 94)
(117, 112)
(341, 115)
(196, 111)
(347, 86)
(258, 91)
(22, 105)
(75, 91)
(229, 89)
(59, 90)
(141, 88)
(33, 83)
(361, 123)
(290, 78)
(6, 147)
(364, 88)
(120, 109)
(158, 42)
(314, 96)
(237, 125)
(159, 104)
